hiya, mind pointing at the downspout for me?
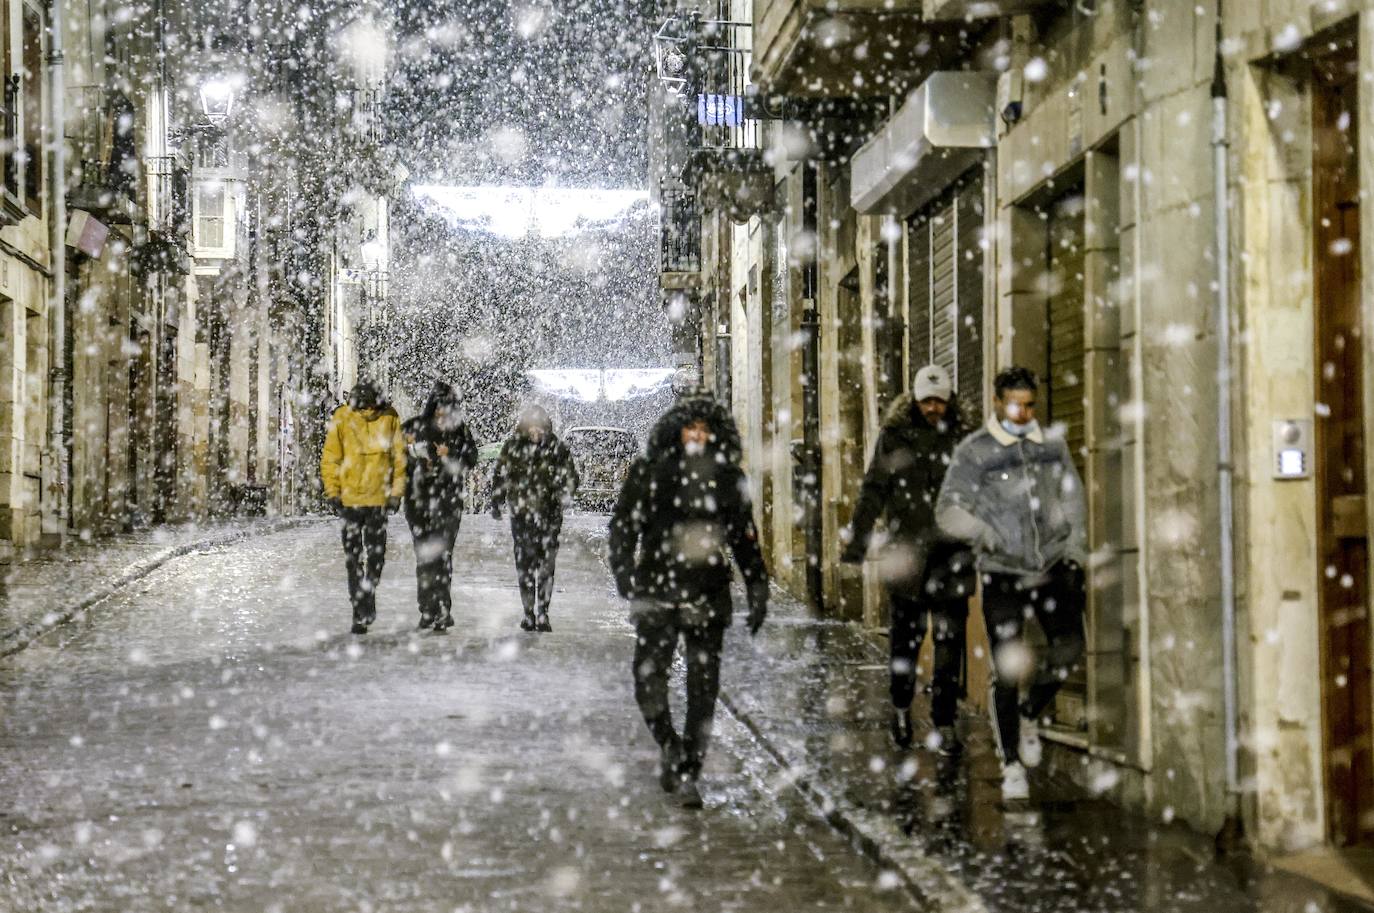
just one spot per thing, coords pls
(1232, 829)
(57, 255)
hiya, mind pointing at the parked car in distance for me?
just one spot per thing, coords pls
(603, 457)
(479, 478)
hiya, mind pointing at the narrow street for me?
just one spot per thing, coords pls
(213, 738)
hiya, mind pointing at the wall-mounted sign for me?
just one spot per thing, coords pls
(720, 110)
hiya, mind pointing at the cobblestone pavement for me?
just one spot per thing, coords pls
(212, 738)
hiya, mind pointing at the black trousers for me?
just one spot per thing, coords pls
(949, 617)
(536, 554)
(364, 542)
(434, 564)
(1057, 605)
(657, 634)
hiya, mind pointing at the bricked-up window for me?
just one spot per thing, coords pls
(33, 108)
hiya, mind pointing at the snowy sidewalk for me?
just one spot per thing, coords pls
(52, 587)
(814, 692)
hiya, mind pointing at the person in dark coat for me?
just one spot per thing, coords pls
(924, 573)
(683, 510)
(534, 478)
(439, 452)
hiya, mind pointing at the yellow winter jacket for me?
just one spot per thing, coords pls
(364, 459)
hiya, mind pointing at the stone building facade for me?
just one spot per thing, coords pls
(1156, 206)
(182, 349)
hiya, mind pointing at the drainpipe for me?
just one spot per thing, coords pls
(57, 257)
(1232, 830)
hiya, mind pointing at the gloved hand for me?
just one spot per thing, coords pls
(758, 606)
(393, 505)
(335, 506)
(625, 586)
(496, 511)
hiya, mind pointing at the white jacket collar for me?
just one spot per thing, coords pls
(1006, 438)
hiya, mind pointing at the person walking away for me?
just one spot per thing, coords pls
(1013, 493)
(534, 478)
(924, 572)
(440, 451)
(363, 472)
(681, 513)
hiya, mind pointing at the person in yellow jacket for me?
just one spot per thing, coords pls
(363, 470)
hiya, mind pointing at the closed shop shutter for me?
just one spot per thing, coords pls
(969, 318)
(1064, 355)
(946, 288)
(918, 302)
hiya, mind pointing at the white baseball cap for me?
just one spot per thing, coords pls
(931, 381)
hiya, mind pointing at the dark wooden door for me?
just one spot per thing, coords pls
(1343, 544)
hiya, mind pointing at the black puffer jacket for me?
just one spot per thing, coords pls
(903, 483)
(437, 461)
(680, 518)
(531, 479)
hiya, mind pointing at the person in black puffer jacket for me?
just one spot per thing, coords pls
(439, 452)
(534, 478)
(923, 572)
(683, 511)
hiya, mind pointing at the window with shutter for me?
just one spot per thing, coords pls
(210, 199)
(918, 285)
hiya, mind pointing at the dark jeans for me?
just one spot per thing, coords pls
(950, 618)
(657, 633)
(536, 553)
(434, 564)
(364, 542)
(1058, 605)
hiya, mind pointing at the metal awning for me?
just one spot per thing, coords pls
(935, 136)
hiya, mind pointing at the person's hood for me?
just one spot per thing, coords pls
(666, 437)
(905, 415)
(442, 393)
(380, 410)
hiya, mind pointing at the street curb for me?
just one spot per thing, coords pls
(16, 639)
(875, 835)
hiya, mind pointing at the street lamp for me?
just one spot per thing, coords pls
(216, 99)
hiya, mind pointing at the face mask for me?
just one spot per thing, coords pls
(1018, 429)
(695, 448)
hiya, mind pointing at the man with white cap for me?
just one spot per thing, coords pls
(924, 573)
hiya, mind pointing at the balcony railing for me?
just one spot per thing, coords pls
(680, 231)
(705, 65)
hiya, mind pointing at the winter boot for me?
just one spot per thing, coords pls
(688, 794)
(901, 726)
(527, 623)
(426, 621)
(669, 762)
(543, 623)
(359, 628)
(441, 625)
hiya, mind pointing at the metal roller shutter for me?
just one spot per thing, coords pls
(1064, 368)
(968, 377)
(918, 302)
(945, 263)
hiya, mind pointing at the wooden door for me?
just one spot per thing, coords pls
(1343, 544)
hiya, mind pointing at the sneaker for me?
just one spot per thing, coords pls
(688, 793)
(1015, 787)
(359, 628)
(949, 741)
(901, 727)
(1029, 750)
(543, 624)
